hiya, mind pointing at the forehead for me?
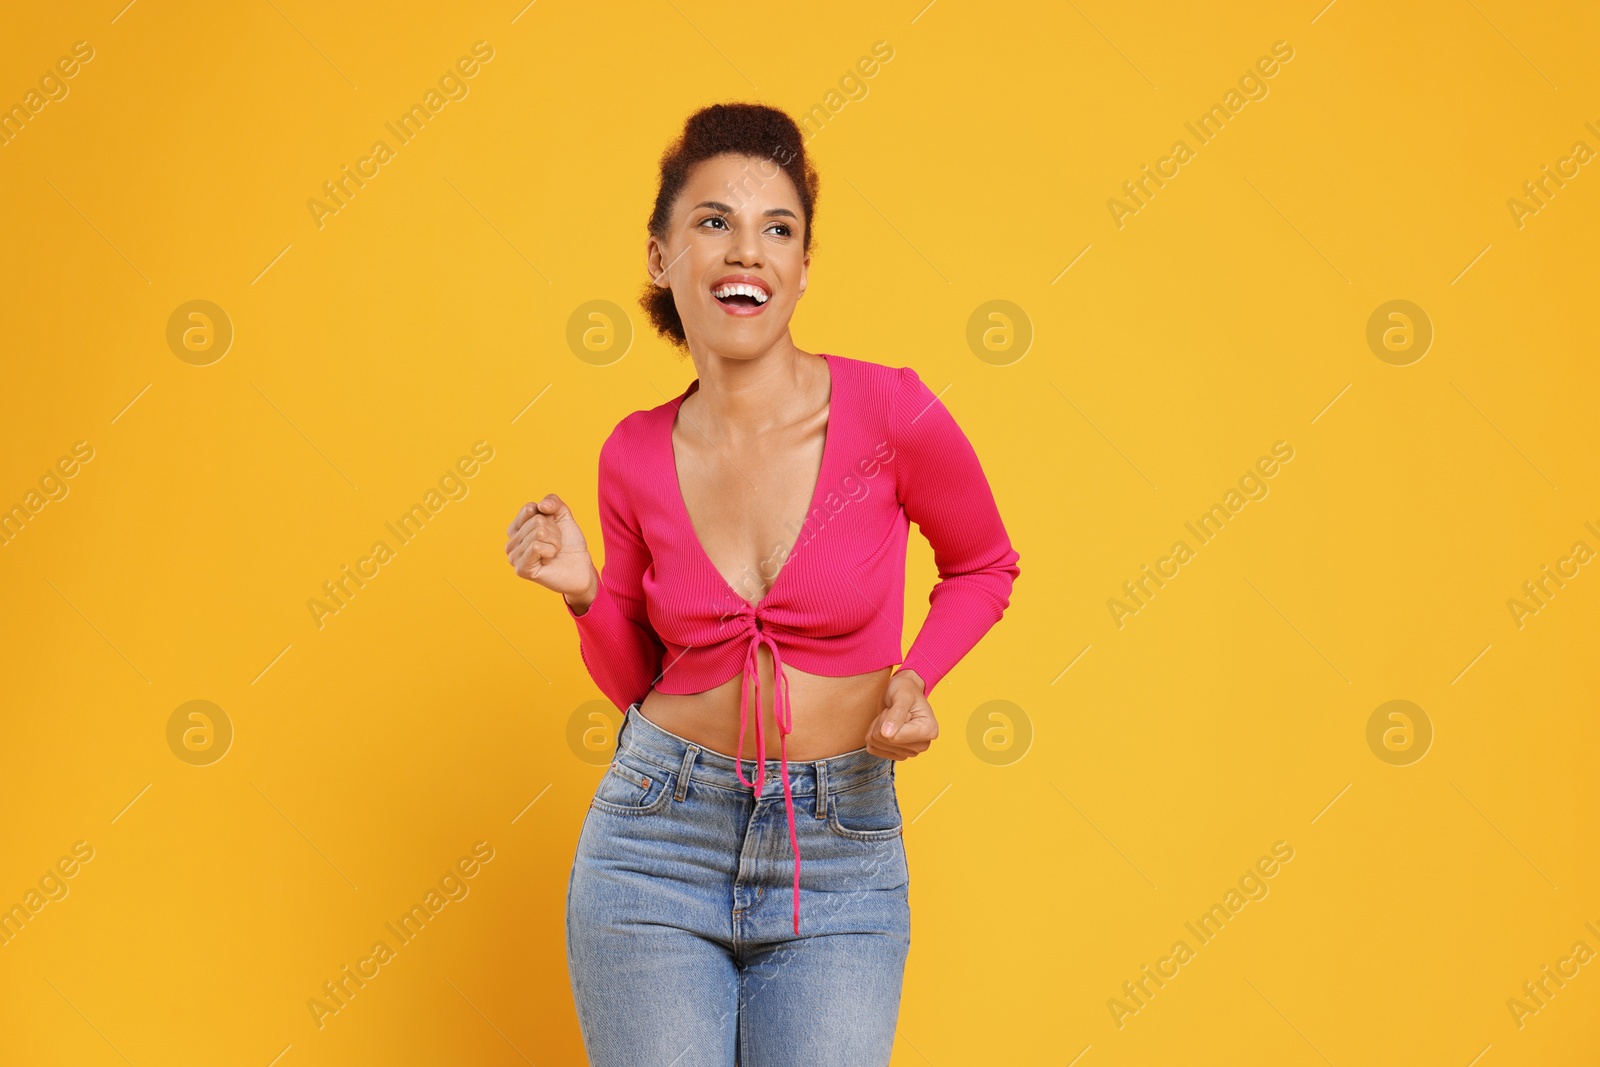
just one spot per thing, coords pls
(737, 180)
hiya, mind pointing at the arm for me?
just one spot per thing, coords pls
(941, 485)
(618, 645)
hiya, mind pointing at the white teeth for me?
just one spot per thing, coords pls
(740, 289)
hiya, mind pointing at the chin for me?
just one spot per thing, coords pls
(743, 346)
(740, 339)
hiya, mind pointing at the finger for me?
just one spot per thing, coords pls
(519, 545)
(527, 509)
(889, 750)
(534, 551)
(895, 715)
(550, 505)
(919, 730)
(915, 730)
(540, 528)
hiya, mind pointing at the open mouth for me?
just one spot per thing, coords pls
(741, 295)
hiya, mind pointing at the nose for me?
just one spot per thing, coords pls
(746, 248)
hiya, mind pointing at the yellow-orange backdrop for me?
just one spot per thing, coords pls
(1114, 761)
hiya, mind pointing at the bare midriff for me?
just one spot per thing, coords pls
(831, 716)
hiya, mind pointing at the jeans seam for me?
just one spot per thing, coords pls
(838, 828)
(655, 807)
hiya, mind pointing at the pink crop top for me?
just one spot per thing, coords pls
(664, 617)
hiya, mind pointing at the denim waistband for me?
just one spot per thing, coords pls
(647, 741)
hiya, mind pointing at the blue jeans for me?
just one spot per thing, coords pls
(680, 943)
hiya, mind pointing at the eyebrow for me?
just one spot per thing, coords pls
(720, 206)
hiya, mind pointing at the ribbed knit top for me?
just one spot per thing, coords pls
(665, 618)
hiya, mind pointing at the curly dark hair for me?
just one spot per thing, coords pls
(746, 129)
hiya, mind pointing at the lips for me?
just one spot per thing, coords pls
(741, 294)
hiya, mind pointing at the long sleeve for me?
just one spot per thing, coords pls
(615, 638)
(941, 485)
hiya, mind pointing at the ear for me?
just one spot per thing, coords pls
(805, 265)
(655, 262)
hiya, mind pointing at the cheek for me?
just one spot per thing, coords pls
(696, 270)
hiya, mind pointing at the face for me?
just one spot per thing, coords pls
(738, 221)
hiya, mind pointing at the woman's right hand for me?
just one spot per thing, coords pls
(545, 545)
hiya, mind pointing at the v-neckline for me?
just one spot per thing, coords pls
(811, 503)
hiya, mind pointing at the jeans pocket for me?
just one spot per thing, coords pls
(869, 812)
(631, 786)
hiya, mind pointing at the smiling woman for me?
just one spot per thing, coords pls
(741, 154)
(684, 887)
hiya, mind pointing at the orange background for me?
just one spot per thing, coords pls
(1138, 771)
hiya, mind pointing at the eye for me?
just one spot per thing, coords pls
(787, 232)
(715, 218)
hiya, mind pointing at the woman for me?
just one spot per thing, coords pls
(755, 535)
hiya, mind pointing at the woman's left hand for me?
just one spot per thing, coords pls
(906, 725)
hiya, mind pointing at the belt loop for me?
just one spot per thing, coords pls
(683, 772)
(822, 789)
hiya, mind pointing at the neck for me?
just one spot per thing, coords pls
(742, 397)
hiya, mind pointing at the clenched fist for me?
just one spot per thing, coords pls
(545, 545)
(906, 725)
